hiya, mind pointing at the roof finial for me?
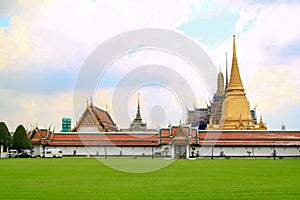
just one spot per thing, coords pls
(234, 48)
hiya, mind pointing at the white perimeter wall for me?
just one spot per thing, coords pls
(109, 150)
(147, 151)
(242, 151)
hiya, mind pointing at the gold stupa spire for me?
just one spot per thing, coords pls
(226, 83)
(236, 113)
(236, 108)
(235, 82)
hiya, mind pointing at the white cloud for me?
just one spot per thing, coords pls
(15, 45)
(69, 29)
(32, 109)
(272, 92)
(61, 34)
(150, 99)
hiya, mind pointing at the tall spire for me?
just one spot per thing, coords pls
(235, 82)
(226, 83)
(138, 113)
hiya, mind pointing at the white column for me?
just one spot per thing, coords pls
(1, 150)
(187, 151)
(173, 151)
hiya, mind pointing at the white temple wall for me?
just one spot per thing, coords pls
(1, 151)
(37, 149)
(243, 151)
(147, 151)
(282, 151)
(106, 150)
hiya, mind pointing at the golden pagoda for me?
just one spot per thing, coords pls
(236, 109)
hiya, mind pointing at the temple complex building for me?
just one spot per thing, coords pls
(198, 117)
(176, 141)
(226, 127)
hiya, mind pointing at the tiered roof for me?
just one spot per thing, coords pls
(118, 139)
(38, 136)
(98, 118)
(250, 138)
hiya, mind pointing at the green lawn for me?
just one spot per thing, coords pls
(87, 178)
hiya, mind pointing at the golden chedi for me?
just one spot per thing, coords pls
(236, 109)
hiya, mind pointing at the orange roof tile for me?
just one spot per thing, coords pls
(165, 133)
(249, 136)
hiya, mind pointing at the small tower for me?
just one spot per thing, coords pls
(220, 90)
(137, 123)
(216, 104)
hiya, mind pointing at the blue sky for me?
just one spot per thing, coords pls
(43, 45)
(211, 24)
(4, 20)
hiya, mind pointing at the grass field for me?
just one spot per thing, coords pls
(87, 178)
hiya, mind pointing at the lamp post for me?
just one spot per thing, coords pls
(274, 151)
(212, 152)
(152, 150)
(44, 144)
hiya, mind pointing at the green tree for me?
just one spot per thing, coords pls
(5, 137)
(21, 140)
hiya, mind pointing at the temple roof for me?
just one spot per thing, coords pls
(119, 139)
(39, 136)
(249, 138)
(94, 116)
(105, 117)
